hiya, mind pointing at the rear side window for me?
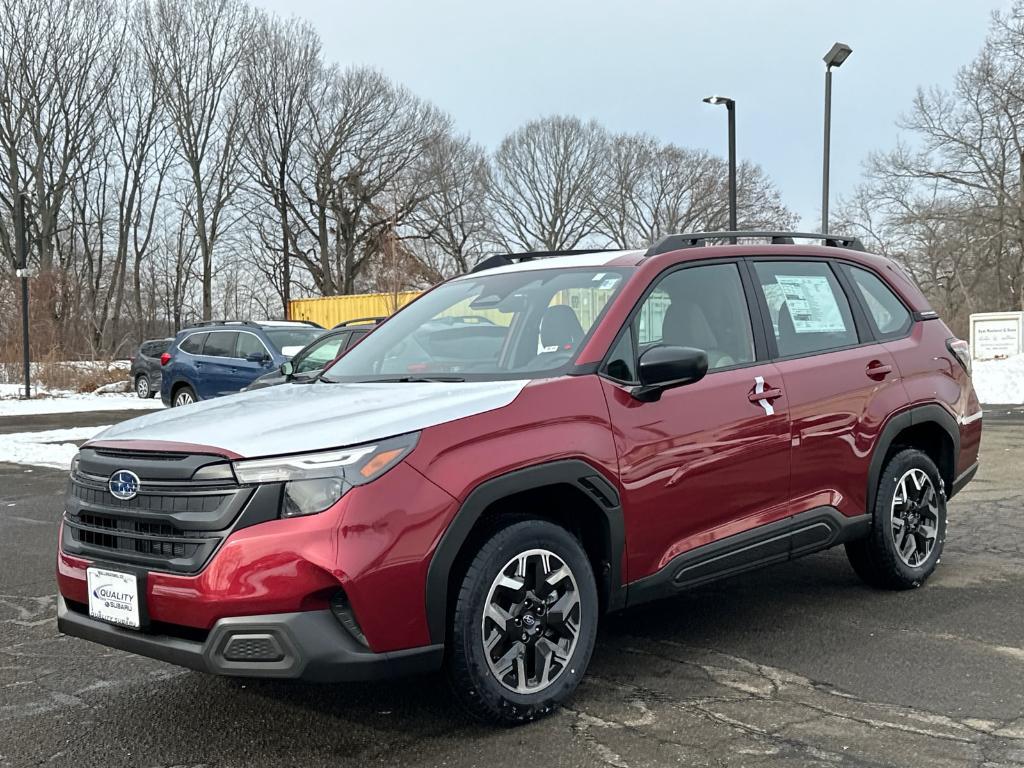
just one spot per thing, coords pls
(194, 344)
(808, 310)
(888, 315)
(220, 344)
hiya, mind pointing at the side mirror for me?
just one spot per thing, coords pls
(287, 369)
(256, 357)
(665, 367)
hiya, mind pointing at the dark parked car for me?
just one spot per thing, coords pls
(308, 363)
(145, 371)
(222, 357)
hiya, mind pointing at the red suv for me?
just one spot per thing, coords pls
(613, 427)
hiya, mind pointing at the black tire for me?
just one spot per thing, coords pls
(875, 558)
(142, 387)
(469, 667)
(183, 393)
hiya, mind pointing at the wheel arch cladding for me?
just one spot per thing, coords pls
(570, 492)
(928, 428)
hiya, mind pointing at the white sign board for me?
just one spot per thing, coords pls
(996, 334)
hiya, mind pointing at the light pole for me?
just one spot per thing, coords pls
(839, 53)
(730, 106)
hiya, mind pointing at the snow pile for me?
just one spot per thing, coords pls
(64, 401)
(49, 448)
(999, 381)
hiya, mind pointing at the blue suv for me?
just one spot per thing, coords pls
(221, 357)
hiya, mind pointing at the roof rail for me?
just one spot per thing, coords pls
(205, 323)
(506, 259)
(359, 320)
(697, 239)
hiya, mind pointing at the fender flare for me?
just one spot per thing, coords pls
(574, 472)
(912, 417)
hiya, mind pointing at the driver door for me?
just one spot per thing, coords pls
(706, 460)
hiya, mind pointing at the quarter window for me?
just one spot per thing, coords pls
(194, 344)
(808, 310)
(888, 315)
(703, 307)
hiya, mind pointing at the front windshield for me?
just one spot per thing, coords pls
(516, 325)
(288, 341)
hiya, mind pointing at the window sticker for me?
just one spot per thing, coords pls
(812, 304)
(609, 283)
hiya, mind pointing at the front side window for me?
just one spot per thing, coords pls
(807, 307)
(321, 353)
(511, 325)
(249, 344)
(887, 312)
(702, 307)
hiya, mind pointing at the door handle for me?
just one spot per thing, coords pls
(764, 397)
(768, 394)
(878, 370)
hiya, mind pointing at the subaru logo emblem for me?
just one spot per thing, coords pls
(124, 485)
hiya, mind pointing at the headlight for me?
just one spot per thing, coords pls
(315, 481)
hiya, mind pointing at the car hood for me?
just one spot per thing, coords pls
(291, 418)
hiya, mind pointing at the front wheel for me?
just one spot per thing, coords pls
(524, 623)
(908, 529)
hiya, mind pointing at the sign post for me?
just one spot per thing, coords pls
(21, 237)
(996, 335)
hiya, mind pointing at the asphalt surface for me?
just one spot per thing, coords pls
(796, 665)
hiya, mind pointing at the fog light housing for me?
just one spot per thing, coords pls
(343, 613)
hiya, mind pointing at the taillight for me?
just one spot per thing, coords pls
(961, 351)
(165, 358)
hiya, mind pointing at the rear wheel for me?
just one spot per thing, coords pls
(524, 623)
(142, 388)
(908, 530)
(184, 396)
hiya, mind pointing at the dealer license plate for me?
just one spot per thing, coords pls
(114, 597)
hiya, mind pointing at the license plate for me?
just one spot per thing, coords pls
(114, 597)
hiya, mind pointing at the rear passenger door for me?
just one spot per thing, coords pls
(840, 382)
(215, 365)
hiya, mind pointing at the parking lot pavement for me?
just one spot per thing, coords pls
(797, 665)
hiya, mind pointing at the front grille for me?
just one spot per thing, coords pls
(173, 524)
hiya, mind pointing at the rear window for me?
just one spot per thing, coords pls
(155, 348)
(194, 344)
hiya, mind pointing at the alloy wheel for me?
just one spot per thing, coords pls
(531, 621)
(183, 398)
(915, 517)
(142, 387)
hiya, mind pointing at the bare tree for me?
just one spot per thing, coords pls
(543, 183)
(281, 68)
(194, 49)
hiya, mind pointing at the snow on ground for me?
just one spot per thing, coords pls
(44, 449)
(999, 381)
(64, 401)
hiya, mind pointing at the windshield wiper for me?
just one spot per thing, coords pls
(412, 379)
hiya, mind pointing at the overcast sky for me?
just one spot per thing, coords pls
(644, 66)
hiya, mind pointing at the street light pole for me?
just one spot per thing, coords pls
(730, 106)
(834, 58)
(21, 239)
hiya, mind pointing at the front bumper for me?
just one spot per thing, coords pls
(306, 645)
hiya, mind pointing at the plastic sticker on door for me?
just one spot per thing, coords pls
(811, 304)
